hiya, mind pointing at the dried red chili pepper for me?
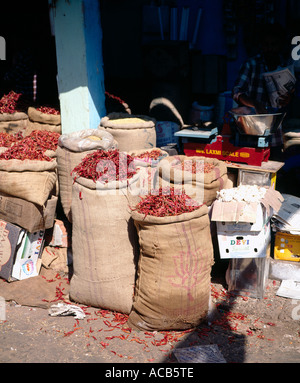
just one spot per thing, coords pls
(150, 155)
(110, 165)
(8, 102)
(43, 139)
(194, 166)
(22, 151)
(72, 332)
(163, 204)
(7, 139)
(33, 146)
(48, 110)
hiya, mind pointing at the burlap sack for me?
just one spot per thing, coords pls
(148, 169)
(32, 125)
(173, 283)
(105, 247)
(145, 162)
(13, 122)
(42, 121)
(132, 132)
(44, 118)
(30, 180)
(202, 187)
(72, 148)
(55, 258)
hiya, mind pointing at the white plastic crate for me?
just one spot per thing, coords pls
(248, 244)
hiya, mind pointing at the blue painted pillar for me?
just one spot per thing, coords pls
(78, 38)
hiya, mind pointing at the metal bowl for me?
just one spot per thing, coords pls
(258, 124)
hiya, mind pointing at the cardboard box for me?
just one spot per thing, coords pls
(27, 262)
(287, 247)
(10, 238)
(20, 252)
(28, 215)
(258, 213)
(237, 244)
(240, 216)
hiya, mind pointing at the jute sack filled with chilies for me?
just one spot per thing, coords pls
(31, 180)
(105, 246)
(72, 148)
(132, 132)
(173, 283)
(13, 122)
(43, 121)
(148, 167)
(203, 185)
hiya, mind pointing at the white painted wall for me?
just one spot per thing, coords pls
(79, 64)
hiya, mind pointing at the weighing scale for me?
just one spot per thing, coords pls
(244, 138)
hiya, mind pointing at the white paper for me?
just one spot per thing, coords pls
(279, 83)
(289, 289)
(288, 216)
(64, 309)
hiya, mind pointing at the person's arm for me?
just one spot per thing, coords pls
(241, 87)
(285, 99)
(247, 101)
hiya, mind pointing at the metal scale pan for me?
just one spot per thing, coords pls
(255, 130)
(258, 124)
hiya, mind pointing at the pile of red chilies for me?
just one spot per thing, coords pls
(106, 165)
(195, 167)
(48, 110)
(153, 155)
(8, 102)
(43, 139)
(166, 204)
(7, 140)
(32, 147)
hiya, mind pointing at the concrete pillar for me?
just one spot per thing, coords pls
(78, 37)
